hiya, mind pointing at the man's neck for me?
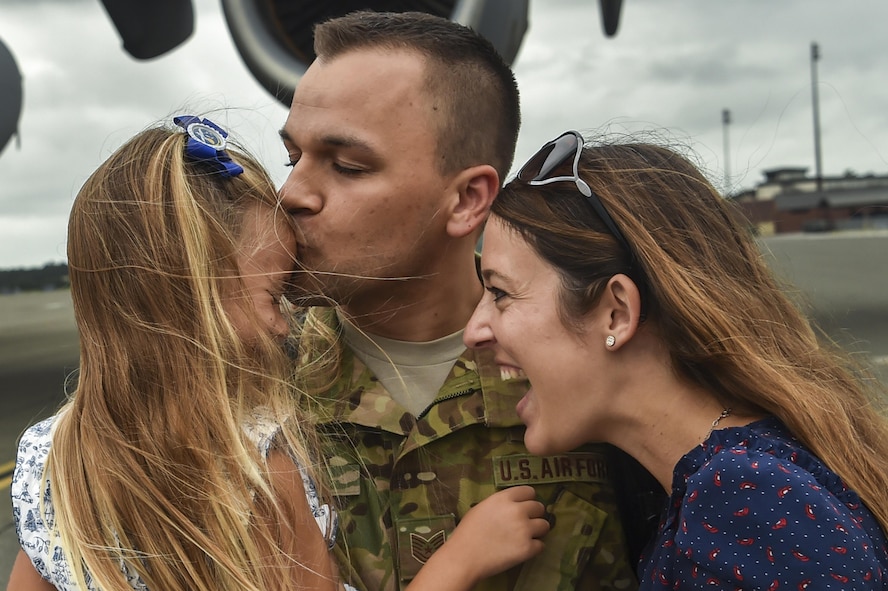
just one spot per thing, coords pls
(421, 310)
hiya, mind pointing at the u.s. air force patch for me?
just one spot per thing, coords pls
(529, 469)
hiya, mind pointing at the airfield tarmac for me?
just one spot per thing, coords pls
(843, 277)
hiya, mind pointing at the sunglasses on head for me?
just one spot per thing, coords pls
(543, 168)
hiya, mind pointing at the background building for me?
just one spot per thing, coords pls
(789, 201)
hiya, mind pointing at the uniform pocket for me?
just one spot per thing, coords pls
(582, 542)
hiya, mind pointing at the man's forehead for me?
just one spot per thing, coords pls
(370, 63)
(346, 99)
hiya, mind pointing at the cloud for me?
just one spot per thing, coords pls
(677, 68)
(673, 67)
(84, 96)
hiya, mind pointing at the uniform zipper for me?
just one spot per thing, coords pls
(421, 415)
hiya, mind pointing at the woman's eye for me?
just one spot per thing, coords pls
(497, 293)
(292, 160)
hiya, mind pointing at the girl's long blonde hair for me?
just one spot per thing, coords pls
(150, 468)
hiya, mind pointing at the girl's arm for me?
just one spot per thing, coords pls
(24, 577)
(498, 533)
(301, 538)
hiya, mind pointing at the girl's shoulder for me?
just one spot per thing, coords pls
(28, 484)
(262, 428)
(32, 507)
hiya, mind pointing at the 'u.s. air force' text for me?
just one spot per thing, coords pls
(570, 467)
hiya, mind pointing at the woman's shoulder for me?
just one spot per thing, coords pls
(765, 437)
(754, 493)
(764, 460)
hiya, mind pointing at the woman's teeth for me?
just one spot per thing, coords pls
(512, 373)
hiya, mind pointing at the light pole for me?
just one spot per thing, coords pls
(726, 121)
(815, 56)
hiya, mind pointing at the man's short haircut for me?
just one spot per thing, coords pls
(473, 92)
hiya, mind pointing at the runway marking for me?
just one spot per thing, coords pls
(6, 474)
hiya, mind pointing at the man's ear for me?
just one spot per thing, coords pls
(621, 303)
(472, 193)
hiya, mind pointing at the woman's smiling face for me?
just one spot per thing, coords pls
(518, 318)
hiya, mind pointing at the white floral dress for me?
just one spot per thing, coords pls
(34, 526)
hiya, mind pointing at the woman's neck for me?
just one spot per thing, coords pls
(662, 419)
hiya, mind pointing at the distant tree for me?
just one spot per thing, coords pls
(48, 277)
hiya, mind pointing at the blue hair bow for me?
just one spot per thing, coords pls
(206, 143)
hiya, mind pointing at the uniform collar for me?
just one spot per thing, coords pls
(473, 393)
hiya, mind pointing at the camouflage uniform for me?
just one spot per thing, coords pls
(404, 482)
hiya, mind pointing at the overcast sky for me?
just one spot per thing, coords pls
(672, 68)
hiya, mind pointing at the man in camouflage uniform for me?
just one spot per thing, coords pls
(404, 481)
(399, 134)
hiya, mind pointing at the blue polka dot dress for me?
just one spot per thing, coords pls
(751, 508)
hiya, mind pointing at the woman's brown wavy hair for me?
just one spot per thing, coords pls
(726, 321)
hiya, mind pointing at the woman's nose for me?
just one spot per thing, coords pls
(478, 332)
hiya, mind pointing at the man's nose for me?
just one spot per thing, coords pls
(299, 195)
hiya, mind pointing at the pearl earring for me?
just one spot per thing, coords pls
(610, 340)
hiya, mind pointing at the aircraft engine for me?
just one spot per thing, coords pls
(274, 37)
(10, 95)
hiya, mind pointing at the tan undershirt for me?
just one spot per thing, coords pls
(411, 372)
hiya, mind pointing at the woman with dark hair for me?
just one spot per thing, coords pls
(627, 291)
